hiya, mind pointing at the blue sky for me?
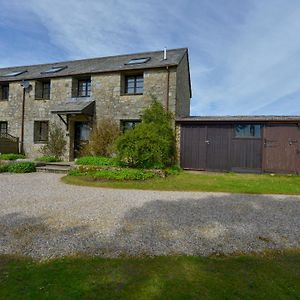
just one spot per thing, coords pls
(244, 54)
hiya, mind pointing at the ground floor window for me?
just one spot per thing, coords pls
(247, 131)
(41, 131)
(3, 127)
(129, 124)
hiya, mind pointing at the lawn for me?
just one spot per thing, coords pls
(208, 182)
(268, 276)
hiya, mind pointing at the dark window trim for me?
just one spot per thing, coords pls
(87, 91)
(135, 77)
(37, 136)
(42, 83)
(6, 126)
(247, 137)
(6, 97)
(123, 121)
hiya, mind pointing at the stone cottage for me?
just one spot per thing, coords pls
(75, 94)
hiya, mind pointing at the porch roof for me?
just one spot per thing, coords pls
(74, 108)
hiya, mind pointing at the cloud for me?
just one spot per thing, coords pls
(244, 54)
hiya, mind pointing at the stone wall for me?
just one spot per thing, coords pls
(107, 91)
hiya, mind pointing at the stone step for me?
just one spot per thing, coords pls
(60, 164)
(54, 169)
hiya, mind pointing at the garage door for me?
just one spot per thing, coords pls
(282, 148)
(205, 147)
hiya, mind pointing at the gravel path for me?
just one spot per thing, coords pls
(42, 217)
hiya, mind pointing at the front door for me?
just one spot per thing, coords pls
(81, 136)
(218, 142)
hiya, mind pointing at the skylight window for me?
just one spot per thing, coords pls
(54, 70)
(135, 61)
(14, 74)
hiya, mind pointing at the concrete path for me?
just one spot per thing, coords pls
(42, 217)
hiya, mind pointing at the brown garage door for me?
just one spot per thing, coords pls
(205, 147)
(193, 147)
(282, 149)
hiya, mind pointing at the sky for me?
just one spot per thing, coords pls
(244, 54)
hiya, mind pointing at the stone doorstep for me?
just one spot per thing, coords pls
(53, 169)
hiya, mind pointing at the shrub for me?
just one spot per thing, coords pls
(102, 138)
(152, 143)
(56, 145)
(97, 161)
(11, 156)
(21, 167)
(46, 158)
(121, 174)
(4, 168)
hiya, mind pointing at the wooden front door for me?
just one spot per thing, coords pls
(218, 142)
(193, 147)
(282, 149)
(81, 136)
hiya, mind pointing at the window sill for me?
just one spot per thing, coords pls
(39, 99)
(137, 94)
(40, 142)
(3, 100)
(247, 138)
(81, 96)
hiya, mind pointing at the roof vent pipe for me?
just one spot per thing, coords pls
(165, 53)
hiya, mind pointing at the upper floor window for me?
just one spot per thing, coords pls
(84, 88)
(247, 131)
(134, 84)
(3, 127)
(4, 91)
(41, 131)
(42, 90)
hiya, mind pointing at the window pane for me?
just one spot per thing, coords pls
(3, 127)
(130, 90)
(248, 131)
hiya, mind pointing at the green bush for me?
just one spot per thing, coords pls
(4, 168)
(152, 143)
(102, 138)
(56, 144)
(11, 156)
(21, 167)
(97, 161)
(122, 174)
(47, 158)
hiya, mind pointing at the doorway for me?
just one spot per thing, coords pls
(81, 136)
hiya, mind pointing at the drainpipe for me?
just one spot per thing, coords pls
(22, 124)
(168, 88)
(25, 85)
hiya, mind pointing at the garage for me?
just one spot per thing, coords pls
(240, 144)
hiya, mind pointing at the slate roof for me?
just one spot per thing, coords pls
(74, 107)
(261, 118)
(96, 65)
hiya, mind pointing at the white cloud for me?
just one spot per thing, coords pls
(244, 55)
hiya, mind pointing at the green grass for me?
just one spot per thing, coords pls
(18, 167)
(269, 276)
(11, 156)
(121, 174)
(46, 158)
(209, 182)
(97, 161)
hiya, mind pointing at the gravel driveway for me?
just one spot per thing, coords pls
(42, 217)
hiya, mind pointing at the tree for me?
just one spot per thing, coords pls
(151, 144)
(56, 145)
(102, 138)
